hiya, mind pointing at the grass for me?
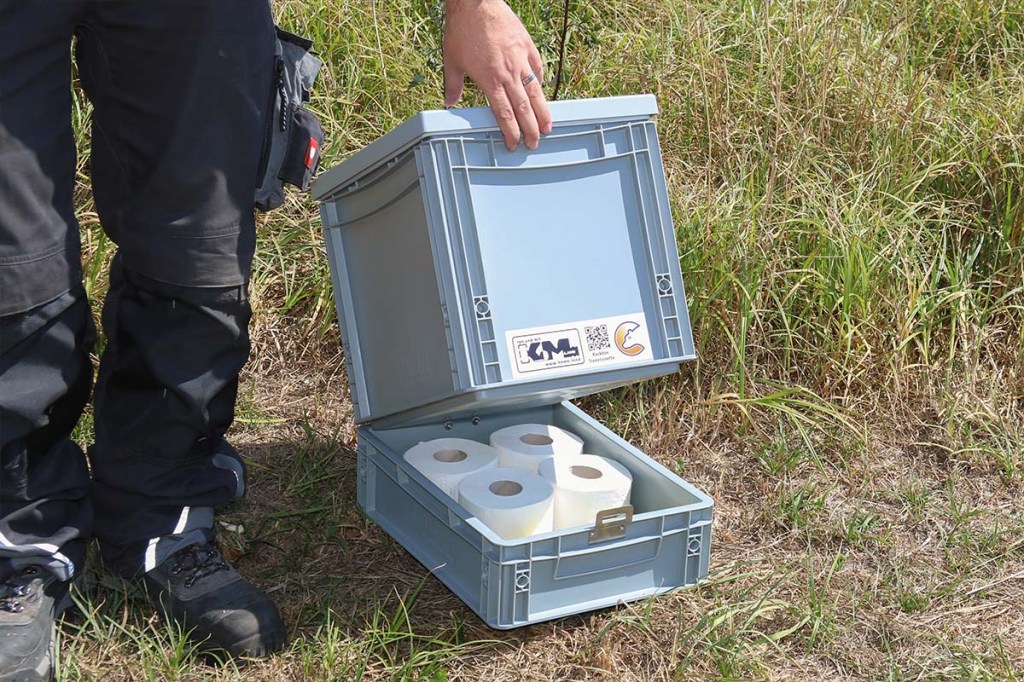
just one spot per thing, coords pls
(847, 183)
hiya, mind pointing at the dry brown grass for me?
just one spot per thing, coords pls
(846, 182)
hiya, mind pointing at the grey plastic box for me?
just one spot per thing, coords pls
(477, 289)
(510, 583)
(471, 279)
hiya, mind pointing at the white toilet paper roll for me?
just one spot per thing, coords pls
(525, 446)
(584, 486)
(511, 502)
(446, 461)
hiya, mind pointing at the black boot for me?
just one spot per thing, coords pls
(198, 589)
(31, 600)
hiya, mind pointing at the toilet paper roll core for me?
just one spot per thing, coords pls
(585, 472)
(450, 456)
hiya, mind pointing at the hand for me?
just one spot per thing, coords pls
(485, 40)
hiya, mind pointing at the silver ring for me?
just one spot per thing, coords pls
(529, 78)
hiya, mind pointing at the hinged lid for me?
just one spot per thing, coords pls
(470, 279)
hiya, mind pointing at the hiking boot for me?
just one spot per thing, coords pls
(31, 600)
(221, 611)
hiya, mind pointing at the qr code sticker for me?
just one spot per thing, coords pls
(597, 337)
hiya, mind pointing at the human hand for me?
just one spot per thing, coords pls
(485, 40)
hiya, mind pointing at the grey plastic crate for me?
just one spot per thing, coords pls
(510, 583)
(473, 280)
(456, 266)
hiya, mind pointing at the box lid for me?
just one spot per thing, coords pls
(470, 279)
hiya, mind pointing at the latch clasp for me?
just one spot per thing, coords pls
(611, 524)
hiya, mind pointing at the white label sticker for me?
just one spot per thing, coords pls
(574, 346)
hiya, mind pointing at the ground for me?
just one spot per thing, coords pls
(847, 183)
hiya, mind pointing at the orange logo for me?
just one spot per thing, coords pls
(622, 339)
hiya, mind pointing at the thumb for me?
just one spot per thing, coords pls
(453, 79)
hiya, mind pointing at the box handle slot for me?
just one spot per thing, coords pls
(611, 524)
(561, 165)
(615, 557)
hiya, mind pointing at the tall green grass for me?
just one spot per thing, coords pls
(846, 176)
(847, 185)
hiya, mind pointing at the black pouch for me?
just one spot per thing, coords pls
(293, 135)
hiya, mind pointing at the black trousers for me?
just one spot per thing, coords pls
(180, 90)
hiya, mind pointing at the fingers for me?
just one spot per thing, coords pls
(536, 63)
(453, 82)
(540, 103)
(505, 114)
(521, 108)
(525, 115)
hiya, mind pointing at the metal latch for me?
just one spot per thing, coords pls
(611, 523)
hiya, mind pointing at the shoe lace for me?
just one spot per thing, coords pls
(16, 587)
(198, 562)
